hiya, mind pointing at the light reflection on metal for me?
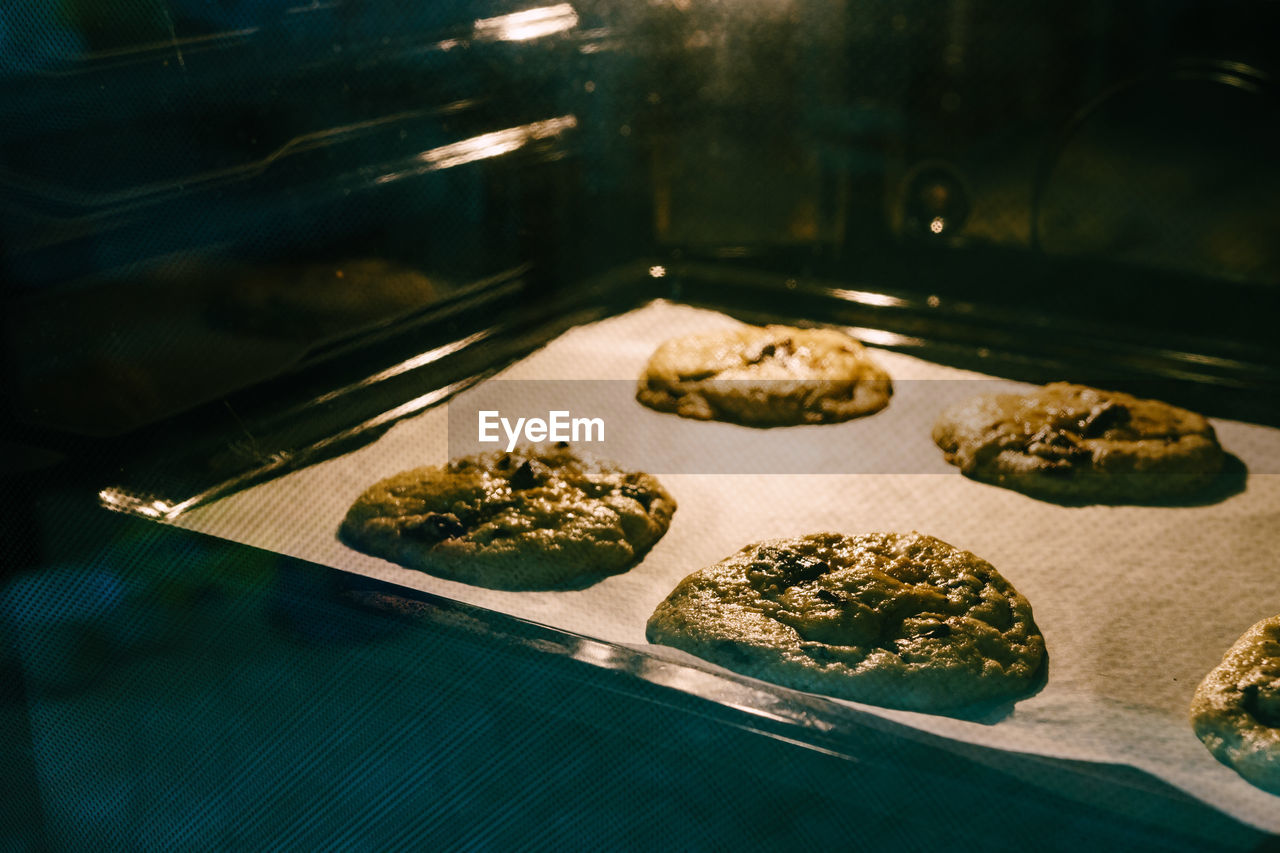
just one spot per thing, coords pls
(477, 148)
(865, 297)
(727, 688)
(526, 25)
(937, 224)
(599, 654)
(405, 366)
(1207, 360)
(189, 41)
(482, 147)
(657, 271)
(121, 501)
(1244, 83)
(146, 194)
(597, 40)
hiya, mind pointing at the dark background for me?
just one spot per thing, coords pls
(182, 182)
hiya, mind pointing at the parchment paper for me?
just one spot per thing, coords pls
(1136, 603)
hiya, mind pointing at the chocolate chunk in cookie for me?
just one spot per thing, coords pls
(1075, 443)
(770, 376)
(530, 519)
(900, 620)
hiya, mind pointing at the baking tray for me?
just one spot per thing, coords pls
(1115, 765)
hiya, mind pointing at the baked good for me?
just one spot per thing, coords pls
(1236, 709)
(765, 376)
(535, 518)
(900, 620)
(1075, 443)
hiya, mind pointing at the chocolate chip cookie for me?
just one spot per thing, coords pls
(900, 620)
(530, 519)
(1079, 444)
(1236, 709)
(765, 376)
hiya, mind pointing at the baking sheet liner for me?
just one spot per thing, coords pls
(1136, 603)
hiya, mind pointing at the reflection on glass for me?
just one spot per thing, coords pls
(494, 144)
(599, 654)
(420, 360)
(529, 24)
(481, 147)
(864, 297)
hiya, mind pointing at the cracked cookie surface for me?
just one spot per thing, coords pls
(899, 620)
(535, 518)
(1236, 709)
(1075, 443)
(765, 376)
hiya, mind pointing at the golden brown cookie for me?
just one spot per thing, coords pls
(1075, 443)
(1236, 709)
(765, 376)
(900, 620)
(536, 518)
